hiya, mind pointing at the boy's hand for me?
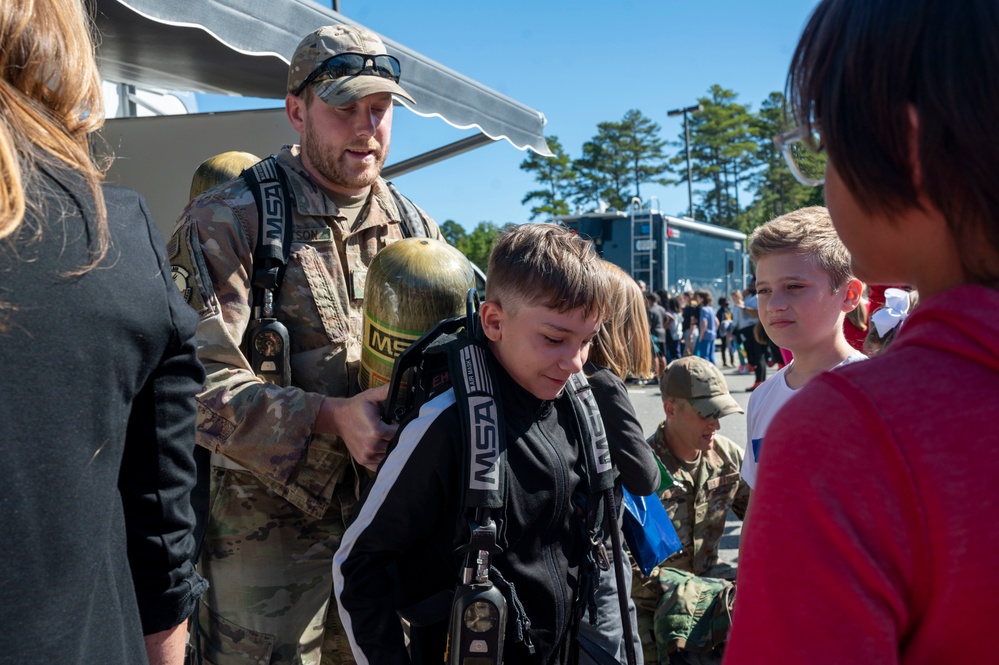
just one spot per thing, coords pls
(358, 421)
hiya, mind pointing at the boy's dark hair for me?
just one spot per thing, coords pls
(705, 297)
(859, 67)
(653, 298)
(807, 231)
(545, 264)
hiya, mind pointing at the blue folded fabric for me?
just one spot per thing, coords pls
(648, 531)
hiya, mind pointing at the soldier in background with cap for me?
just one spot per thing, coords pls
(706, 467)
(287, 459)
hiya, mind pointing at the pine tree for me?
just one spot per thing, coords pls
(643, 150)
(591, 183)
(619, 159)
(556, 175)
(603, 173)
(720, 140)
(731, 149)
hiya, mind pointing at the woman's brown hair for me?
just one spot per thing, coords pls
(50, 102)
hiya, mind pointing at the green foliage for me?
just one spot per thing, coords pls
(556, 176)
(731, 148)
(454, 233)
(476, 245)
(776, 190)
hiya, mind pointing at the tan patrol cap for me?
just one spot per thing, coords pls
(326, 42)
(702, 384)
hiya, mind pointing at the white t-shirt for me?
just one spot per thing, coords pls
(764, 404)
(675, 325)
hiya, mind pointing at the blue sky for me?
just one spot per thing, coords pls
(580, 63)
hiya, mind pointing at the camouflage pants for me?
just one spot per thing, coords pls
(646, 592)
(270, 568)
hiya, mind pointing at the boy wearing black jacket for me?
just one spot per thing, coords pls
(544, 304)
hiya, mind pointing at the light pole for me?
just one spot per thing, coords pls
(686, 142)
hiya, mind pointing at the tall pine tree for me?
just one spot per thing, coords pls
(619, 159)
(556, 176)
(603, 172)
(720, 140)
(643, 150)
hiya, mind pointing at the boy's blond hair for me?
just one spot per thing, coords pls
(807, 231)
(546, 264)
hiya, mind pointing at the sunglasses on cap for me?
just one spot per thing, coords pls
(354, 64)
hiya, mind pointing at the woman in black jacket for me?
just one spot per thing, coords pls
(97, 376)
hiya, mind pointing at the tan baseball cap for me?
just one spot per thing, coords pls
(702, 384)
(326, 42)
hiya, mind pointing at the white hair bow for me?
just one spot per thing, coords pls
(893, 313)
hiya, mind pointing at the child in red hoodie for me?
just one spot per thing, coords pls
(873, 538)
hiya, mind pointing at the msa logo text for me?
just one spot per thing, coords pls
(384, 343)
(598, 436)
(485, 470)
(273, 206)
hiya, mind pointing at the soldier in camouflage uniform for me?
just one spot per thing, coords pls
(287, 460)
(706, 468)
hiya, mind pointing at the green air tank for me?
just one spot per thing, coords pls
(411, 285)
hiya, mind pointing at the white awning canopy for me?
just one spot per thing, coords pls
(242, 47)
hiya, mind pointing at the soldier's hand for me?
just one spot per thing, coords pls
(358, 421)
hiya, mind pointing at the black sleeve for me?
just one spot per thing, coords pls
(157, 472)
(630, 452)
(406, 516)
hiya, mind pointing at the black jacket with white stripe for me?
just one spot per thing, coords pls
(400, 549)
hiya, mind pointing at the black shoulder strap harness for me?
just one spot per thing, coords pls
(269, 185)
(414, 223)
(454, 355)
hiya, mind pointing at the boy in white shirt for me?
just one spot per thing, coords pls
(805, 287)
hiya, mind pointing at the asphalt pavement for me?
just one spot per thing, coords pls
(647, 401)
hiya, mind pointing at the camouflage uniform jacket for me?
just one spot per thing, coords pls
(698, 505)
(260, 426)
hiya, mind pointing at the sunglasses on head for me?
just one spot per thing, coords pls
(355, 64)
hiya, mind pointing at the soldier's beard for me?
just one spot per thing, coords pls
(333, 164)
